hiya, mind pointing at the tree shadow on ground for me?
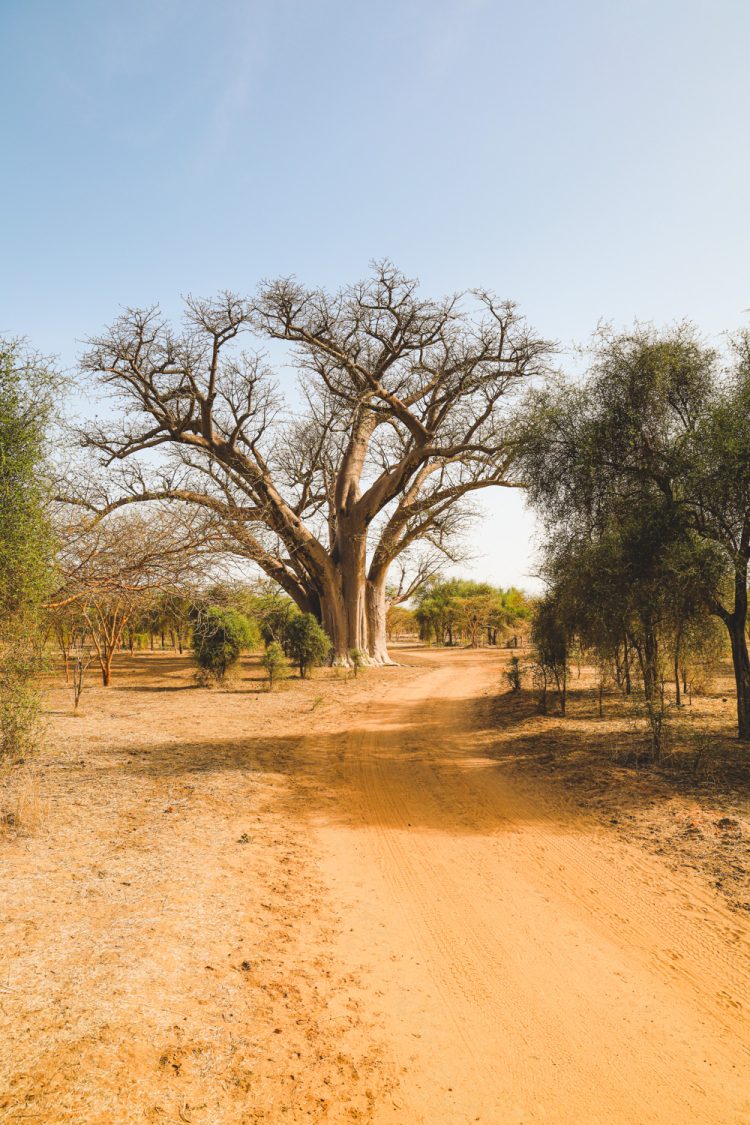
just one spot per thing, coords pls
(702, 754)
(450, 765)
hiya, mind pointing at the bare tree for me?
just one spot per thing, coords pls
(63, 622)
(110, 568)
(401, 418)
(80, 655)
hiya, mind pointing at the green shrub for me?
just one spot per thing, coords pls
(219, 636)
(20, 703)
(27, 387)
(357, 659)
(308, 644)
(514, 674)
(275, 663)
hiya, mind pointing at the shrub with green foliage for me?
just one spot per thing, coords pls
(26, 542)
(308, 643)
(514, 674)
(357, 660)
(552, 642)
(219, 637)
(275, 663)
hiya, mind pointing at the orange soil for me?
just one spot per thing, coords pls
(338, 903)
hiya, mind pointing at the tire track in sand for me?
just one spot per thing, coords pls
(527, 969)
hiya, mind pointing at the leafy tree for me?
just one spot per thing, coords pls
(64, 623)
(715, 491)
(275, 613)
(474, 616)
(551, 640)
(219, 637)
(661, 420)
(437, 613)
(511, 616)
(26, 541)
(400, 621)
(632, 590)
(308, 644)
(275, 663)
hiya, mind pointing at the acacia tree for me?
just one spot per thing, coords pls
(551, 638)
(638, 584)
(402, 417)
(111, 570)
(716, 494)
(660, 414)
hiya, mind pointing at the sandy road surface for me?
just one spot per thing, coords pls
(525, 966)
(334, 904)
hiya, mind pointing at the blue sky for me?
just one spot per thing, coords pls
(589, 159)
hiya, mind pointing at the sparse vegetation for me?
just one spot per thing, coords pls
(641, 476)
(275, 663)
(514, 674)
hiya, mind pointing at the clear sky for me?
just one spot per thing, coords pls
(589, 158)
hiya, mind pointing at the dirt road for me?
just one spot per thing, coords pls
(334, 904)
(528, 967)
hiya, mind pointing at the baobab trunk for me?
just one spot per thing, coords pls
(353, 613)
(377, 610)
(353, 606)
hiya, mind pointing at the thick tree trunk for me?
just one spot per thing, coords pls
(377, 610)
(741, 663)
(342, 603)
(736, 623)
(353, 604)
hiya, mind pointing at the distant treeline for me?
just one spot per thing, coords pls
(460, 611)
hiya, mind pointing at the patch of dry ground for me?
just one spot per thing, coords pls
(693, 808)
(166, 938)
(396, 899)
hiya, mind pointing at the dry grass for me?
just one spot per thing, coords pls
(170, 950)
(692, 807)
(22, 809)
(166, 949)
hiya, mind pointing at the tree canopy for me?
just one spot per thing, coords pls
(647, 465)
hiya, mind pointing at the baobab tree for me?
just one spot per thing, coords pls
(400, 416)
